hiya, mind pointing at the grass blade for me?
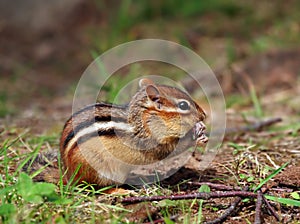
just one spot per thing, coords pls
(286, 201)
(270, 176)
(256, 103)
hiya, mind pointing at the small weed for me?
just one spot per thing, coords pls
(256, 103)
(264, 181)
(206, 189)
(295, 195)
(24, 191)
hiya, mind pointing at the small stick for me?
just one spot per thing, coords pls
(271, 209)
(199, 195)
(282, 190)
(254, 127)
(227, 212)
(215, 186)
(259, 202)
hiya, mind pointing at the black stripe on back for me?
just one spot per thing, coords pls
(89, 107)
(68, 139)
(86, 124)
(109, 132)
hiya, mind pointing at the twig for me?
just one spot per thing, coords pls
(199, 195)
(271, 209)
(222, 187)
(217, 194)
(259, 202)
(254, 127)
(286, 190)
(227, 212)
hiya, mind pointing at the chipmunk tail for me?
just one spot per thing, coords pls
(44, 167)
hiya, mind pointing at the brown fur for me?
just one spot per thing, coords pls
(157, 129)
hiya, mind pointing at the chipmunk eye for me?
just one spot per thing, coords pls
(184, 105)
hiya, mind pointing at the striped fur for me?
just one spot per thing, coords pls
(101, 138)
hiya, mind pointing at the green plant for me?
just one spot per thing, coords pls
(206, 189)
(26, 191)
(273, 174)
(285, 201)
(256, 103)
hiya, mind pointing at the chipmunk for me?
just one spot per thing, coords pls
(102, 142)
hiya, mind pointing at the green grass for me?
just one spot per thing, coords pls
(260, 28)
(24, 201)
(273, 174)
(258, 111)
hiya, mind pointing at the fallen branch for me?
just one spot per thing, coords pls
(217, 194)
(227, 212)
(254, 127)
(259, 202)
(222, 187)
(271, 209)
(199, 195)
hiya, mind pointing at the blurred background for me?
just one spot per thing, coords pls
(253, 47)
(45, 46)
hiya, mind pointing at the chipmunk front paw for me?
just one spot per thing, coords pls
(199, 133)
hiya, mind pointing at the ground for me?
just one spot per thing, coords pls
(254, 52)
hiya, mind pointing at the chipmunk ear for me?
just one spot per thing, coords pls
(152, 93)
(145, 82)
(150, 88)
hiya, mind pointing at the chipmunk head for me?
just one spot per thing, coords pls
(163, 112)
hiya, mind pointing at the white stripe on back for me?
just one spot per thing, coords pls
(95, 127)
